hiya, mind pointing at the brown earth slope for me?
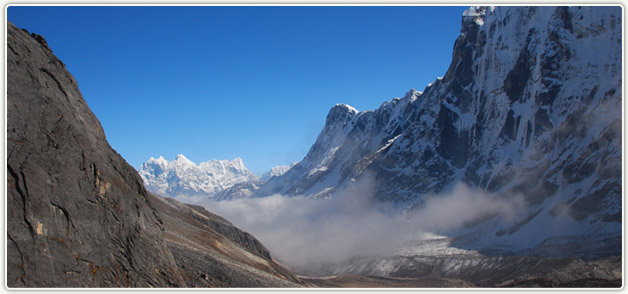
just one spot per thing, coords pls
(79, 216)
(210, 251)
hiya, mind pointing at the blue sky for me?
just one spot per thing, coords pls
(218, 82)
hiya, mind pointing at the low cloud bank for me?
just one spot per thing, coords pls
(310, 234)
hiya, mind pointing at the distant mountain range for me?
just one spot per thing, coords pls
(182, 177)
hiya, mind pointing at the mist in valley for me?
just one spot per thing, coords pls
(309, 235)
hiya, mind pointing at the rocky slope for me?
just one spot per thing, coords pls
(79, 216)
(211, 252)
(182, 177)
(530, 107)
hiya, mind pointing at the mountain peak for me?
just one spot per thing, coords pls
(276, 171)
(180, 157)
(183, 161)
(237, 161)
(412, 94)
(341, 113)
(158, 160)
(183, 177)
(475, 14)
(346, 107)
(476, 11)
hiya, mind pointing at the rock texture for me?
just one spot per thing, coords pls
(79, 216)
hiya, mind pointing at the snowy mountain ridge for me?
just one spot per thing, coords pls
(183, 177)
(275, 172)
(530, 106)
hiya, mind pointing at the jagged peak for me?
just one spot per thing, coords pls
(160, 158)
(183, 160)
(477, 10)
(341, 112)
(158, 161)
(238, 163)
(412, 94)
(181, 157)
(184, 177)
(276, 171)
(476, 14)
(346, 106)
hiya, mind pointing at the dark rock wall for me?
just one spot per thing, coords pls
(79, 216)
(77, 213)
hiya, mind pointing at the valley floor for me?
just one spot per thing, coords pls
(356, 281)
(604, 273)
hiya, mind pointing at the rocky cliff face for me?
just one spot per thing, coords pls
(77, 213)
(79, 216)
(530, 106)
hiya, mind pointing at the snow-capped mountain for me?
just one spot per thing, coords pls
(183, 177)
(529, 107)
(248, 188)
(275, 172)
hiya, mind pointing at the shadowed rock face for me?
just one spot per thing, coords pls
(78, 214)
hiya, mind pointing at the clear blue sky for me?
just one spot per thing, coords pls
(249, 82)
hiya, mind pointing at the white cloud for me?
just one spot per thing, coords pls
(308, 234)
